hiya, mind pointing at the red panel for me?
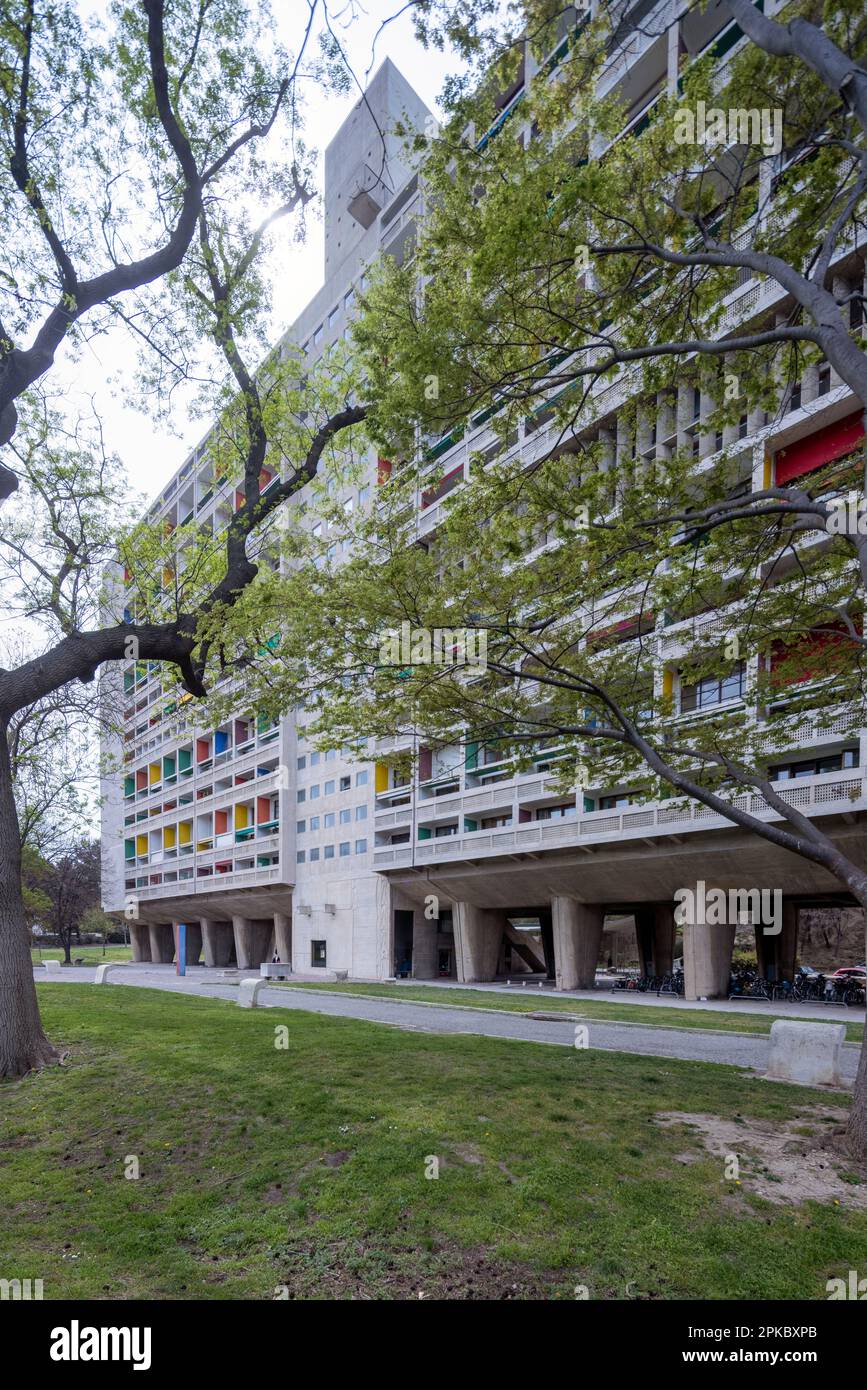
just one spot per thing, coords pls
(221, 822)
(825, 445)
(811, 650)
(445, 484)
(425, 764)
(239, 500)
(383, 470)
(263, 809)
(203, 749)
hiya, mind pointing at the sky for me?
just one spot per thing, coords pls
(151, 450)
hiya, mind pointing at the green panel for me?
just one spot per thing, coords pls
(470, 824)
(424, 833)
(185, 758)
(472, 758)
(128, 785)
(589, 803)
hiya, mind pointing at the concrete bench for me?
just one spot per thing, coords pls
(52, 964)
(275, 970)
(103, 972)
(808, 1053)
(248, 993)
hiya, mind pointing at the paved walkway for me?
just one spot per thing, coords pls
(655, 1040)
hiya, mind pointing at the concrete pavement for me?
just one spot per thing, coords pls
(732, 1049)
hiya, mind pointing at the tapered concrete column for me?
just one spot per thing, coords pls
(283, 937)
(776, 953)
(251, 942)
(193, 939)
(655, 932)
(425, 960)
(162, 943)
(216, 941)
(478, 933)
(577, 937)
(707, 960)
(546, 932)
(140, 940)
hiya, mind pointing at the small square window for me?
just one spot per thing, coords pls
(300, 795)
(314, 856)
(361, 779)
(345, 816)
(318, 953)
(301, 762)
(314, 759)
(345, 849)
(300, 856)
(328, 820)
(314, 791)
(300, 826)
(328, 852)
(314, 822)
(361, 813)
(345, 783)
(330, 755)
(360, 846)
(329, 788)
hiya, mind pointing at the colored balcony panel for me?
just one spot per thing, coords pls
(819, 448)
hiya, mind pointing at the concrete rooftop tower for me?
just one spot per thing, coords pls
(367, 162)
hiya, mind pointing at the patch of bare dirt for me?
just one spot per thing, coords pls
(784, 1163)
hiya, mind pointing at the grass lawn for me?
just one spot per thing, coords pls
(92, 955)
(305, 1166)
(537, 1001)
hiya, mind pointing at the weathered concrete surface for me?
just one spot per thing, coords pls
(217, 941)
(478, 933)
(577, 937)
(162, 943)
(104, 972)
(809, 1053)
(707, 960)
(140, 940)
(248, 993)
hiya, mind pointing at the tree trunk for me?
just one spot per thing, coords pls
(856, 1131)
(23, 1045)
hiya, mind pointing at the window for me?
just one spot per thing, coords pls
(300, 795)
(314, 791)
(443, 830)
(318, 953)
(317, 336)
(328, 789)
(713, 690)
(328, 820)
(345, 783)
(328, 852)
(314, 856)
(314, 759)
(360, 846)
(345, 816)
(495, 822)
(314, 822)
(301, 762)
(300, 856)
(317, 530)
(363, 495)
(361, 813)
(331, 755)
(613, 803)
(345, 849)
(361, 779)
(811, 767)
(334, 316)
(300, 826)
(348, 300)
(557, 812)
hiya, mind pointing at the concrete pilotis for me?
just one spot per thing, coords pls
(707, 960)
(283, 937)
(577, 931)
(776, 955)
(252, 940)
(216, 941)
(478, 933)
(546, 933)
(424, 946)
(162, 943)
(655, 933)
(193, 939)
(140, 940)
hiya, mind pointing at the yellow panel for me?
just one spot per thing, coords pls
(141, 844)
(185, 832)
(242, 817)
(156, 773)
(667, 683)
(768, 469)
(382, 777)
(170, 836)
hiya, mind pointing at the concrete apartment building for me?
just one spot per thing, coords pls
(338, 868)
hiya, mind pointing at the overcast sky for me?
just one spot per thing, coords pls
(152, 451)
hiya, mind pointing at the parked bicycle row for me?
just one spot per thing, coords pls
(844, 987)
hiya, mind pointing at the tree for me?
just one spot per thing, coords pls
(72, 885)
(132, 151)
(559, 277)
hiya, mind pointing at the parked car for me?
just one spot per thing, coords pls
(851, 972)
